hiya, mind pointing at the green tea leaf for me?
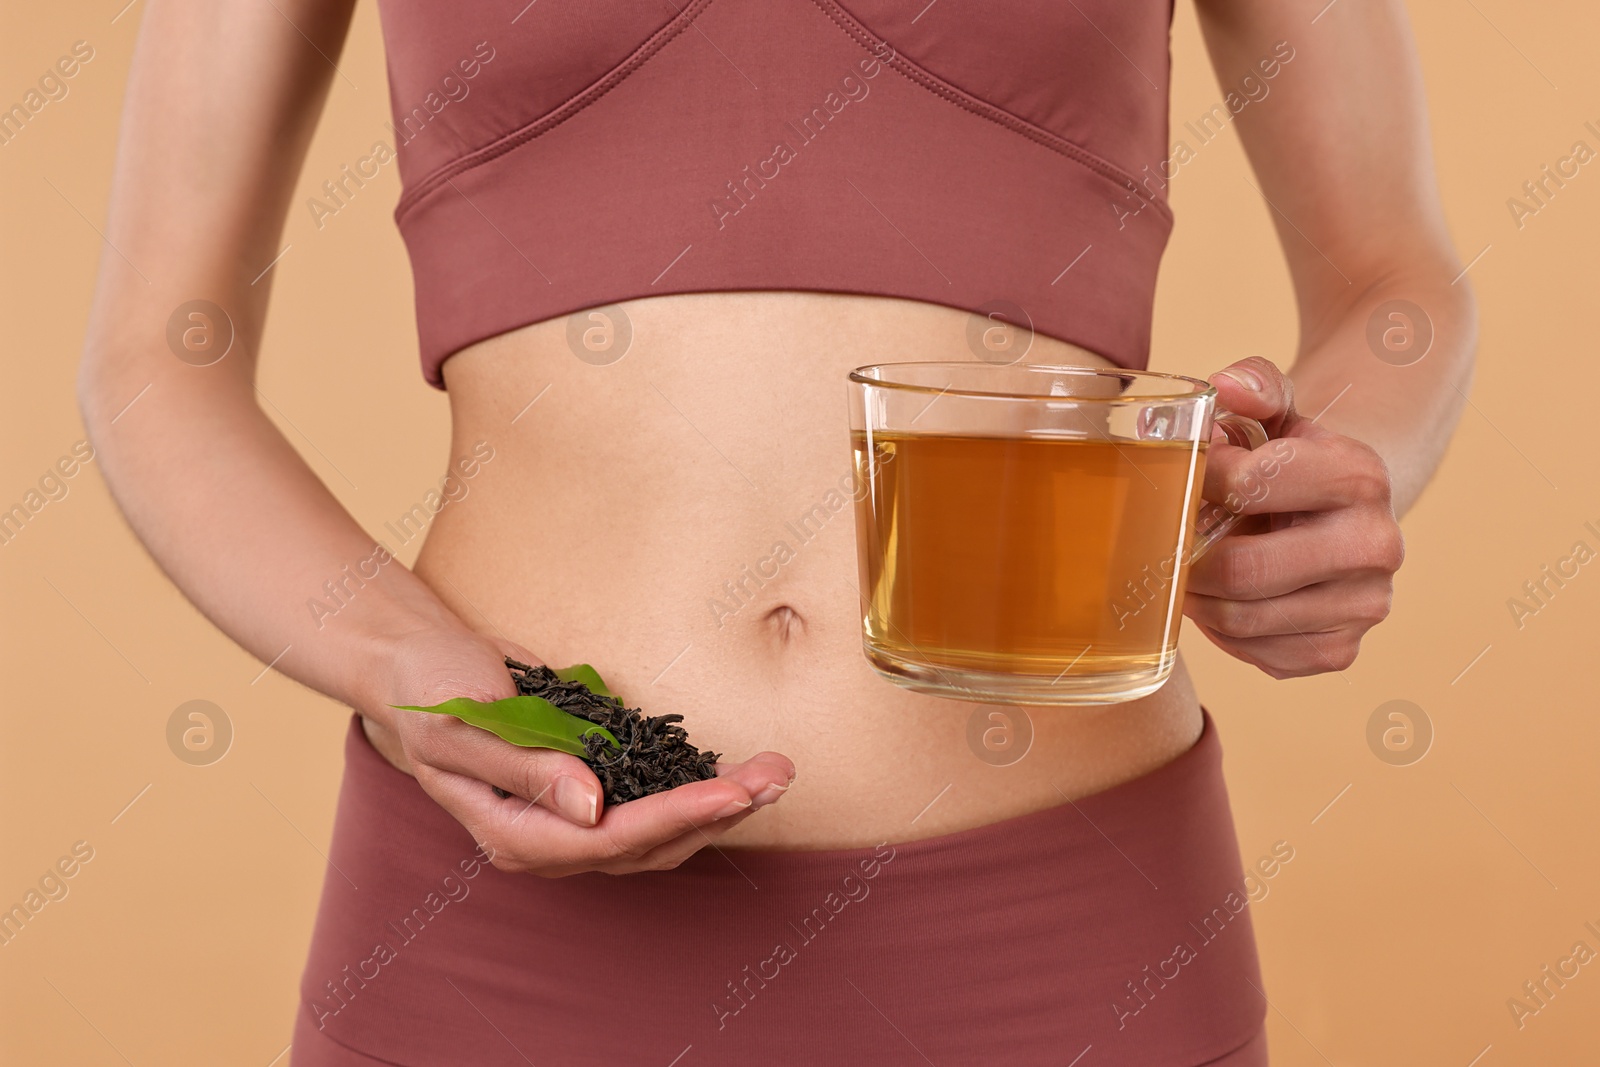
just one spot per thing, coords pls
(528, 721)
(582, 672)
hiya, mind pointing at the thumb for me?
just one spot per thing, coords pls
(1256, 388)
(511, 650)
(559, 782)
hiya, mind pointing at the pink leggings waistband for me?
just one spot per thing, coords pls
(1115, 928)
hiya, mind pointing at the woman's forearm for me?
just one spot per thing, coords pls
(1393, 372)
(1336, 129)
(223, 503)
(234, 516)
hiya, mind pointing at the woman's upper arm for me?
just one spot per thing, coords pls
(1339, 142)
(221, 102)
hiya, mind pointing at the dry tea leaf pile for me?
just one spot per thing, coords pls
(655, 753)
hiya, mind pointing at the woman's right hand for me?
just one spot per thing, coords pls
(555, 821)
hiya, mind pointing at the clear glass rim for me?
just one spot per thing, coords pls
(1202, 388)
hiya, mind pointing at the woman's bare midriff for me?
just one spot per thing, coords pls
(631, 509)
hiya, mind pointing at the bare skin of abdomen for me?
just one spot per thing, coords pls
(629, 515)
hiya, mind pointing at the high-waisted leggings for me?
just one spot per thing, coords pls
(1110, 930)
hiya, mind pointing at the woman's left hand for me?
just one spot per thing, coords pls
(1296, 598)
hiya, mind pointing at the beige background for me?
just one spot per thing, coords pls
(1415, 905)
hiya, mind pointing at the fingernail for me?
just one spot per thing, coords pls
(1247, 378)
(769, 794)
(576, 800)
(734, 807)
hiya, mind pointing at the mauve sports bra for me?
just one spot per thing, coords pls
(1000, 157)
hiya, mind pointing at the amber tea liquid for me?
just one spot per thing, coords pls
(1035, 556)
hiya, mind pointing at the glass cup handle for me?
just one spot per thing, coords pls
(1215, 521)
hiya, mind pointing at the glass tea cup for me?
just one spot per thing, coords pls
(1024, 531)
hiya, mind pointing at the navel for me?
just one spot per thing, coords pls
(787, 624)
